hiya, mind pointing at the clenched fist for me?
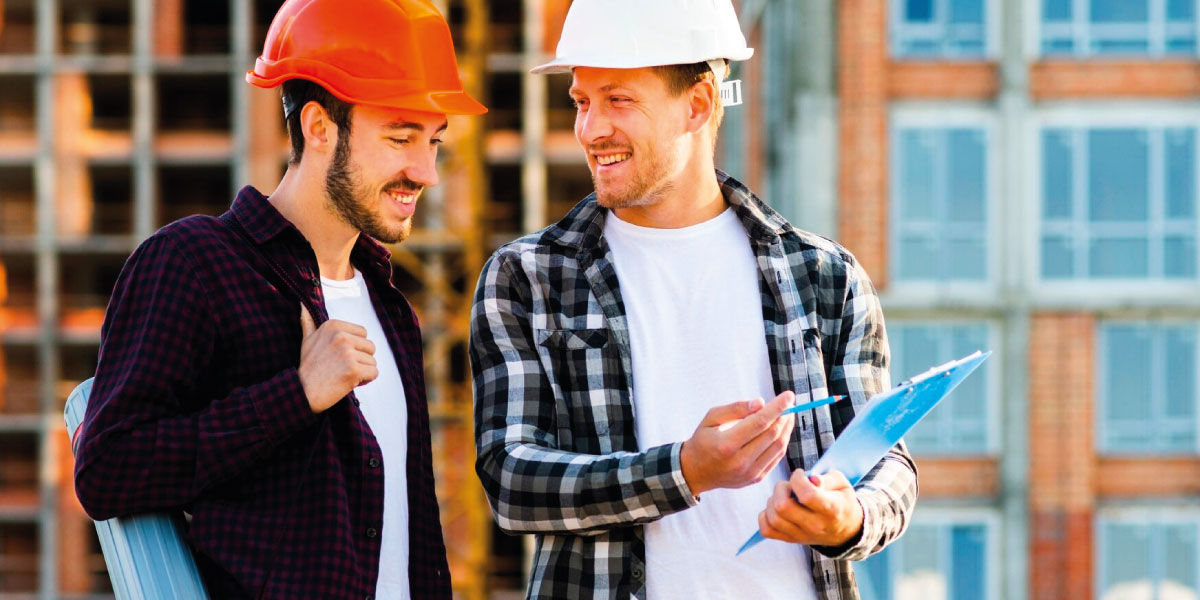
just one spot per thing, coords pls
(335, 358)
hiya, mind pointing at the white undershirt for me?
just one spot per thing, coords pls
(383, 404)
(696, 334)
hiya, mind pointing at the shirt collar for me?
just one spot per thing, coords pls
(264, 223)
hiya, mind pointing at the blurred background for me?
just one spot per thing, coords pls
(1018, 176)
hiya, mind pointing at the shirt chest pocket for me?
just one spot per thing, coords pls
(584, 367)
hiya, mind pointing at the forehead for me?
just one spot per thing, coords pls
(397, 118)
(594, 79)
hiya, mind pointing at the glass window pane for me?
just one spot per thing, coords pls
(918, 258)
(966, 11)
(968, 176)
(1179, 256)
(1118, 172)
(1119, 258)
(1181, 172)
(968, 561)
(874, 582)
(918, 11)
(1180, 376)
(1120, 47)
(1127, 363)
(1180, 579)
(1126, 558)
(1057, 178)
(918, 351)
(1181, 10)
(1184, 45)
(1120, 11)
(1058, 257)
(916, 177)
(921, 575)
(1056, 10)
(1058, 46)
(966, 259)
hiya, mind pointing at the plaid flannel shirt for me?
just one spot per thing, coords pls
(555, 434)
(197, 406)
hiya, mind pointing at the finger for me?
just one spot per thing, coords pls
(363, 345)
(307, 327)
(751, 426)
(781, 519)
(366, 359)
(348, 327)
(833, 481)
(731, 412)
(808, 492)
(367, 374)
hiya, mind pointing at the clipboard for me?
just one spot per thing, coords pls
(885, 419)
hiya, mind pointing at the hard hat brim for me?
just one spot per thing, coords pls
(449, 102)
(564, 64)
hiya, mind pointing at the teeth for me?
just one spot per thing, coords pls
(403, 198)
(612, 158)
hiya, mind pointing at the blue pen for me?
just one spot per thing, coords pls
(812, 405)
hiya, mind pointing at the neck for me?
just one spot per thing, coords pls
(693, 197)
(300, 198)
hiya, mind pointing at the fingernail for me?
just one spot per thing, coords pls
(815, 479)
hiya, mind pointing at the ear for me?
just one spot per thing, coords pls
(320, 132)
(702, 101)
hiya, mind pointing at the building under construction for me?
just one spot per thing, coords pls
(1020, 176)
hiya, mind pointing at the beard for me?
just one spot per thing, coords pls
(646, 187)
(350, 198)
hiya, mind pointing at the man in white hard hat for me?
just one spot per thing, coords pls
(622, 356)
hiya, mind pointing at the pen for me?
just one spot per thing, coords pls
(812, 405)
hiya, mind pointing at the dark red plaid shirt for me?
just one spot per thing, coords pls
(197, 406)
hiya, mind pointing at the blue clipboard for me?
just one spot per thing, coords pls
(885, 419)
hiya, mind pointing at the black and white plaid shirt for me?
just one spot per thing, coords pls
(554, 422)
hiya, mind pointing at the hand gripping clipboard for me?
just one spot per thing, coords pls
(885, 419)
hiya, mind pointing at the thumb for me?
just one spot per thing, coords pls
(307, 327)
(733, 411)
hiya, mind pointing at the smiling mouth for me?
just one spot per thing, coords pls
(612, 159)
(403, 196)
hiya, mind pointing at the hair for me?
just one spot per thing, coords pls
(298, 93)
(681, 78)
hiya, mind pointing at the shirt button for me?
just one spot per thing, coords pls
(374, 462)
(316, 281)
(372, 532)
(370, 597)
(638, 573)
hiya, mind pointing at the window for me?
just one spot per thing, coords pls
(1119, 203)
(940, 204)
(1148, 558)
(1118, 28)
(939, 28)
(933, 561)
(959, 425)
(1147, 387)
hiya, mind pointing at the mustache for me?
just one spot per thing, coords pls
(607, 146)
(404, 185)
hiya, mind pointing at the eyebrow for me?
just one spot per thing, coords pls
(607, 88)
(409, 126)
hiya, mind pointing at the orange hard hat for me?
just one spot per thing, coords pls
(392, 53)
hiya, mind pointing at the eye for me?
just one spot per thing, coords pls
(579, 103)
(618, 99)
(436, 142)
(399, 141)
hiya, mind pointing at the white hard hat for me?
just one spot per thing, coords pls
(630, 34)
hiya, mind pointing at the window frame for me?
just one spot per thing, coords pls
(990, 30)
(1071, 291)
(942, 117)
(945, 517)
(1157, 327)
(1156, 517)
(1081, 33)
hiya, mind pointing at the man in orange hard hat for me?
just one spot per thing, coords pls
(258, 370)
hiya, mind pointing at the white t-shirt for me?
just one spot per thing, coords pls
(383, 403)
(697, 338)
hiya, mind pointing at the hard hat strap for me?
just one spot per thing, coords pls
(731, 91)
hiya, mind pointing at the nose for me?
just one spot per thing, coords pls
(423, 171)
(592, 126)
